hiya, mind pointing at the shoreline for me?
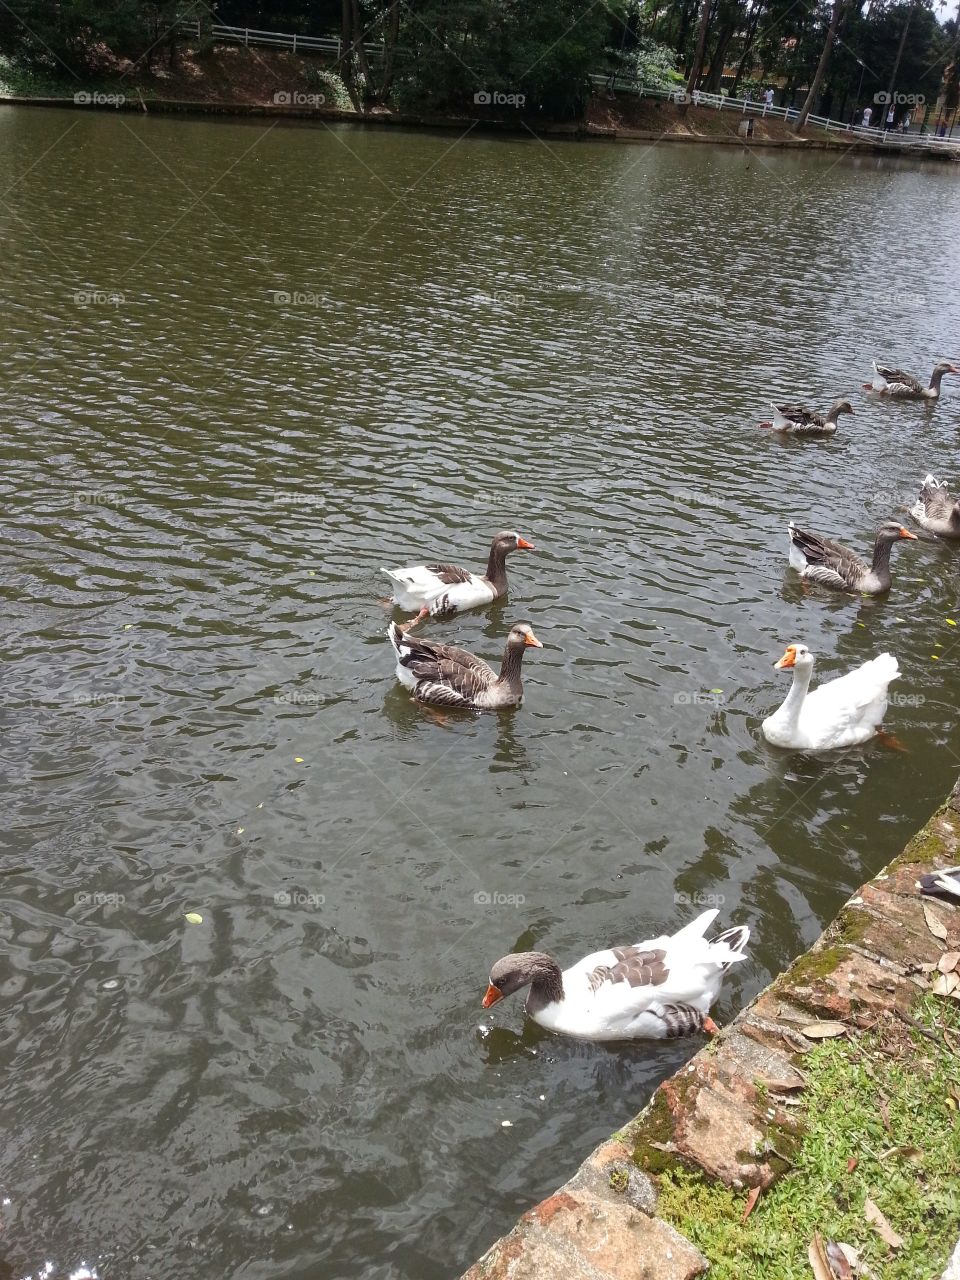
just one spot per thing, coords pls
(580, 131)
(727, 1132)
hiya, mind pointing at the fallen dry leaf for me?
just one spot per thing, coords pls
(944, 984)
(884, 1112)
(852, 1164)
(817, 1257)
(881, 1225)
(934, 923)
(752, 1199)
(839, 1263)
(948, 961)
(823, 1030)
(904, 1153)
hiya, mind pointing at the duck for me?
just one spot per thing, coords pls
(794, 419)
(936, 510)
(446, 589)
(945, 883)
(904, 386)
(447, 676)
(831, 565)
(655, 990)
(841, 713)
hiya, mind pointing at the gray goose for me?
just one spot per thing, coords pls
(794, 419)
(898, 385)
(936, 510)
(831, 565)
(447, 676)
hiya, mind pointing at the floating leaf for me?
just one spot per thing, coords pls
(881, 1225)
(193, 917)
(935, 657)
(240, 831)
(934, 923)
(752, 1199)
(951, 623)
(823, 1030)
(298, 759)
(948, 961)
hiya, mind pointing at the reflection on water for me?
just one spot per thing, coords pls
(199, 486)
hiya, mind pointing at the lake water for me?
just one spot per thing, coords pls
(245, 366)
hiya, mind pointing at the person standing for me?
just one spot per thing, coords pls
(767, 99)
(890, 118)
(867, 113)
(905, 122)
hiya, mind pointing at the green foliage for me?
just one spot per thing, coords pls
(911, 1171)
(655, 65)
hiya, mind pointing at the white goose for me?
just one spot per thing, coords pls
(840, 713)
(655, 990)
(444, 589)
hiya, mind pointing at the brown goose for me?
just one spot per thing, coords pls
(794, 419)
(904, 386)
(831, 565)
(445, 589)
(447, 676)
(936, 510)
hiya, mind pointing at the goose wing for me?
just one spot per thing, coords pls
(935, 498)
(897, 380)
(827, 562)
(444, 673)
(796, 413)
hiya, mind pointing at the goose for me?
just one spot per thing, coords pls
(903, 386)
(944, 883)
(447, 676)
(936, 510)
(446, 589)
(831, 565)
(793, 419)
(655, 990)
(840, 713)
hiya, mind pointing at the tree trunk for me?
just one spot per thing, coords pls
(747, 46)
(697, 65)
(718, 57)
(390, 38)
(685, 15)
(821, 71)
(896, 62)
(345, 61)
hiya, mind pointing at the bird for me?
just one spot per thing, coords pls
(655, 990)
(841, 713)
(447, 676)
(831, 565)
(935, 510)
(446, 589)
(904, 386)
(794, 419)
(944, 883)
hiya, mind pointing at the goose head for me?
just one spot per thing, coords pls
(893, 531)
(509, 540)
(796, 656)
(945, 367)
(521, 637)
(840, 406)
(514, 972)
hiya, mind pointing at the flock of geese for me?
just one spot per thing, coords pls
(664, 987)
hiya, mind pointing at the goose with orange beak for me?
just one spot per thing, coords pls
(447, 676)
(655, 990)
(840, 713)
(829, 564)
(446, 589)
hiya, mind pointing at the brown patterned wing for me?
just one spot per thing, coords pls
(450, 574)
(634, 967)
(897, 378)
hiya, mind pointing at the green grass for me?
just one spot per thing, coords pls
(24, 82)
(919, 1082)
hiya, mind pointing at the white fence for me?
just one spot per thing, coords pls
(625, 84)
(276, 39)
